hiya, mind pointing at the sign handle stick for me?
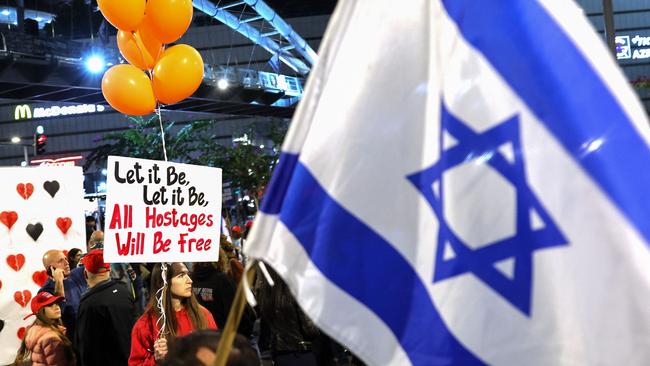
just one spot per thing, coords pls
(234, 317)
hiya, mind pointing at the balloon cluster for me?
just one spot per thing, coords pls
(145, 26)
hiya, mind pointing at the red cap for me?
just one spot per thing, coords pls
(249, 224)
(94, 262)
(236, 229)
(42, 300)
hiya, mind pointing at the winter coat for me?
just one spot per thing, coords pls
(216, 291)
(289, 326)
(47, 348)
(106, 317)
(145, 331)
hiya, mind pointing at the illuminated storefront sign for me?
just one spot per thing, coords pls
(24, 111)
(289, 84)
(632, 47)
(67, 161)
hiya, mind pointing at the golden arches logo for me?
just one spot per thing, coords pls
(22, 111)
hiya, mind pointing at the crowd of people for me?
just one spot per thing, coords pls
(90, 312)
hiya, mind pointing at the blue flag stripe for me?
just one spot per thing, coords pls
(537, 59)
(274, 195)
(366, 266)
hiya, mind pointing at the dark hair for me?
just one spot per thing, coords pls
(191, 305)
(90, 218)
(202, 265)
(183, 350)
(71, 260)
(73, 252)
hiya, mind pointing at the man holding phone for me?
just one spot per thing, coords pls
(58, 269)
(65, 283)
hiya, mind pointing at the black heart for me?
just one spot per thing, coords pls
(34, 230)
(51, 187)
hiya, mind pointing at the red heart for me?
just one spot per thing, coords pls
(22, 298)
(1, 285)
(8, 218)
(16, 262)
(39, 278)
(64, 224)
(25, 190)
(21, 333)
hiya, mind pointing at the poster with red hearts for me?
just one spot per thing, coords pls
(41, 209)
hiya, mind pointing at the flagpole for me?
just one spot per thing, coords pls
(608, 16)
(234, 317)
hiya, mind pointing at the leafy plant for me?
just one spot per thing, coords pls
(143, 140)
(245, 165)
(642, 82)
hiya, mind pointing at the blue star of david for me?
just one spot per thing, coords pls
(517, 287)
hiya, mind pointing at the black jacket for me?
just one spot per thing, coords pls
(288, 324)
(216, 292)
(104, 322)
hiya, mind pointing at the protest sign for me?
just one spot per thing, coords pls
(159, 211)
(41, 209)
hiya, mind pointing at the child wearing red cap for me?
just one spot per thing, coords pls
(45, 342)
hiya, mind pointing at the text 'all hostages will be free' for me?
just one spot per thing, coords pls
(173, 188)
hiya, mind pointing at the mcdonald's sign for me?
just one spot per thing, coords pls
(22, 111)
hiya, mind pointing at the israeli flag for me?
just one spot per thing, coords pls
(466, 182)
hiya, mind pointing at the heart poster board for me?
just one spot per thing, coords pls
(40, 209)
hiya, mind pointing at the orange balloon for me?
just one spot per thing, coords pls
(141, 48)
(125, 15)
(128, 90)
(178, 74)
(169, 18)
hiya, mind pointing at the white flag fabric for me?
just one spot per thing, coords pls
(466, 182)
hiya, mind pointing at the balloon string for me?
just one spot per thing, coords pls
(139, 44)
(150, 74)
(160, 299)
(162, 130)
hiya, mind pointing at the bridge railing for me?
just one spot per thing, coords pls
(26, 45)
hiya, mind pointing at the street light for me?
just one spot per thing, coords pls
(17, 141)
(95, 64)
